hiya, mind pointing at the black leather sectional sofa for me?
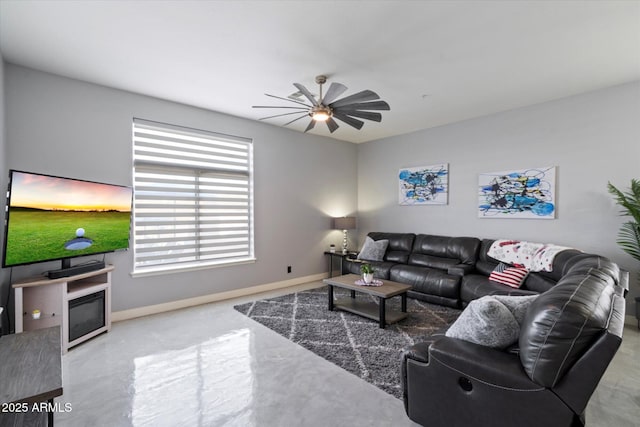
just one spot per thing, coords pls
(453, 271)
(567, 339)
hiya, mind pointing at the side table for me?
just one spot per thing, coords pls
(30, 372)
(338, 256)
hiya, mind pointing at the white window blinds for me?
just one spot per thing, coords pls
(192, 197)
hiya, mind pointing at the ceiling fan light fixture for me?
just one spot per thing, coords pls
(320, 113)
(328, 108)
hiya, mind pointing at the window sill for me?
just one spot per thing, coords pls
(182, 268)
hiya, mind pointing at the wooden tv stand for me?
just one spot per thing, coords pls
(52, 297)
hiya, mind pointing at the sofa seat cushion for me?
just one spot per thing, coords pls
(434, 299)
(427, 280)
(538, 282)
(474, 286)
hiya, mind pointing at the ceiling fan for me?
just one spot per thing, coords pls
(327, 108)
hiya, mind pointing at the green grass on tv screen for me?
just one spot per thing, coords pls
(35, 235)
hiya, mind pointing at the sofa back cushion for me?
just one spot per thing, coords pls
(485, 264)
(443, 252)
(399, 246)
(595, 264)
(540, 281)
(562, 262)
(563, 322)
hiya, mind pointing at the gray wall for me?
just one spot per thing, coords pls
(592, 138)
(65, 127)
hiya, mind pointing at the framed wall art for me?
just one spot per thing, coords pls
(424, 185)
(526, 193)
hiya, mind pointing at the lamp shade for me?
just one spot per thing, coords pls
(344, 223)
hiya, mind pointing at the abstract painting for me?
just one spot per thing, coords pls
(528, 193)
(424, 185)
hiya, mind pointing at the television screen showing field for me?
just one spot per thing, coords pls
(52, 218)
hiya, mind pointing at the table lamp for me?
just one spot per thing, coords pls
(344, 223)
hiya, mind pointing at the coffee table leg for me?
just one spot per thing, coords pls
(403, 302)
(50, 414)
(330, 297)
(383, 320)
(353, 294)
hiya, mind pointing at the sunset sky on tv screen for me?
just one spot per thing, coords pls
(51, 193)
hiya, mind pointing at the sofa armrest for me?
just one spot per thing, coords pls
(460, 269)
(479, 363)
(465, 384)
(418, 352)
(623, 282)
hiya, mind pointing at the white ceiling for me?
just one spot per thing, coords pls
(434, 62)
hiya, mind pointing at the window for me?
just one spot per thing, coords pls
(193, 202)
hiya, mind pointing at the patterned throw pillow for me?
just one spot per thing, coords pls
(512, 276)
(373, 250)
(487, 322)
(517, 304)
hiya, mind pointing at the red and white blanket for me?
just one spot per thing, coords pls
(532, 256)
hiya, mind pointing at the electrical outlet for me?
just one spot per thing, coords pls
(288, 269)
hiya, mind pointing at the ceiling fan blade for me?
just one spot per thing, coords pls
(376, 117)
(280, 115)
(365, 95)
(348, 120)
(296, 119)
(332, 125)
(335, 90)
(288, 99)
(280, 106)
(375, 105)
(312, 123)
(306, 93)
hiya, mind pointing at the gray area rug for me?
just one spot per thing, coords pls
(347, 340)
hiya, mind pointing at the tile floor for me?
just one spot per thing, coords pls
(211, 366)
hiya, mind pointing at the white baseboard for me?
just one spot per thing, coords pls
(205, 299)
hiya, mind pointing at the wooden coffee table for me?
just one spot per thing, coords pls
(369, 309)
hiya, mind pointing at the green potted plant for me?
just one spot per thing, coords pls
(367, 273)
(629, 234)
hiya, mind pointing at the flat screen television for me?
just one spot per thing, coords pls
(52, 218)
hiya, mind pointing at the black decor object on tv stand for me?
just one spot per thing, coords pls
(67, 270)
